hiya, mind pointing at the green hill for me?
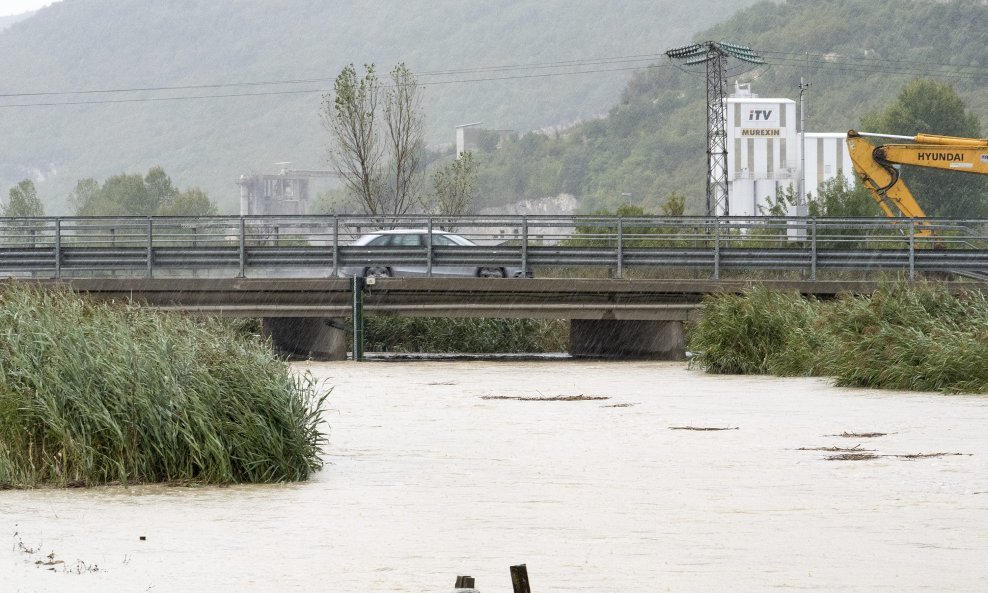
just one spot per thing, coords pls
(857, 55)
(102, 45)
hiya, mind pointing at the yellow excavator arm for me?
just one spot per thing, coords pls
(875, 165)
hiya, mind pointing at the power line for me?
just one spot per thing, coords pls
(307, 91)
(783, 59)
(449, 72)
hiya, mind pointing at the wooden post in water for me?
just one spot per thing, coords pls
(519, 579)
(464, 582)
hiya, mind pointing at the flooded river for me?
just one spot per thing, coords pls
(426, 480)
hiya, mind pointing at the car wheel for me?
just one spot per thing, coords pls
(490, 273)
(377, 272)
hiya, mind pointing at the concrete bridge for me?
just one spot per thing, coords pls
(287, 270)
(608, 317)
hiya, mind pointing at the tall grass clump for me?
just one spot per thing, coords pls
(760, 331)
(920, 338)
(96, 393)
(903, 336)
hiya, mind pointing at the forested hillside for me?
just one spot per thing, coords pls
(60, 125)
(6, 21)
(856, 54)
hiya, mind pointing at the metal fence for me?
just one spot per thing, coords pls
(321, 246)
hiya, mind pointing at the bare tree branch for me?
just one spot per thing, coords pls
(359, 148)
(349, 115)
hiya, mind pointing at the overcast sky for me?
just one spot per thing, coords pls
(8, 7)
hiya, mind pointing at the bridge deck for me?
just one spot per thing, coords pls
(435, 297)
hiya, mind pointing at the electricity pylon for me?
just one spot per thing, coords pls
(715, 56)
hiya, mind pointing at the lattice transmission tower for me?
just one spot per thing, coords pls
(715, 56)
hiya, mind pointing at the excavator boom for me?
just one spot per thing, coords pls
(875, 165)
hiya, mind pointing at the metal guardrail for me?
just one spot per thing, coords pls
(320, 246)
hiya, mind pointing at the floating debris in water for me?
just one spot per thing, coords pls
(926, 455)
(703, 428)
(858, 435)
(852, 456)
(860, 456)
(548, 398)
(835, 449)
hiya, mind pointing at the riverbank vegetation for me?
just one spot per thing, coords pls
(95, 393)
(465, 335)
(904, 336)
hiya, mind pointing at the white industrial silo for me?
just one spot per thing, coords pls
(763, 149)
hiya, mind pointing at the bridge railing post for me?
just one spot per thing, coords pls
(428, 250)
(243, 249)
(336, 245)
(149, 272)
(620, 247)
(58, 248)
(717, 248)
(524, 243)
(912, 249)
(813, 249)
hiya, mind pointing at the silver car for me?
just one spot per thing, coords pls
(404, 252)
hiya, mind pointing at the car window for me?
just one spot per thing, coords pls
(382, 240)
(442, 240)
(407, 240)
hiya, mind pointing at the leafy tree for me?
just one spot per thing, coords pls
(838, 198)
(405, 139)
(633, 235)
(23, 202)
(675, 205)
(84, 195)
(455, 186)
(120, 195)
(160, 191)
(359, 147)
(191, 202)
(487, 140)
(925, 106)
(137, 195)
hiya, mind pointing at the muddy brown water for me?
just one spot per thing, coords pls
(426, 480)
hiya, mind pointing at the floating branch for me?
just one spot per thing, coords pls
(858, 435)
(834, 449)
(925, 455)
(852, 456)
(547, 398)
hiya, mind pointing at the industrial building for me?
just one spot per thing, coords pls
(763, 144)
(284, 193)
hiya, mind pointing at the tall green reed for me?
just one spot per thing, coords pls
(903, 336)
(95, 393)
(760, 331)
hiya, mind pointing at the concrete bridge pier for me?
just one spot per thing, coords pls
(319, 338)
(621, 338)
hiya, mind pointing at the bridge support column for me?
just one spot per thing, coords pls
(612, 338)
(318, 338)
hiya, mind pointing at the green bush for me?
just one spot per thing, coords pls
(96, 393)
(919, 338)
(758, 332)
(911, 337)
